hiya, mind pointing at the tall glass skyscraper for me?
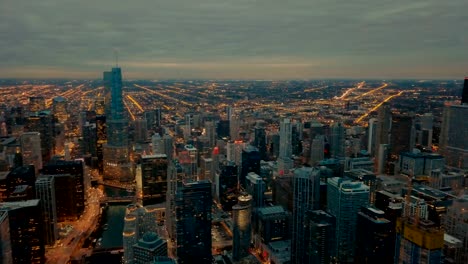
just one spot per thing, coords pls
(115, 153)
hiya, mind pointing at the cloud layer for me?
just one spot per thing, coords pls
(252, 39)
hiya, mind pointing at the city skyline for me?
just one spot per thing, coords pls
(247, 39)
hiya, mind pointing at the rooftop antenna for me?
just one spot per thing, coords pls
(116, 55)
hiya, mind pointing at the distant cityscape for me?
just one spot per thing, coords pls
(233, 171)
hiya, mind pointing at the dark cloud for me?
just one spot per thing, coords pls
(234, 38)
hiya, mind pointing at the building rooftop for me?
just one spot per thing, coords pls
(271, 210)
(19, 204)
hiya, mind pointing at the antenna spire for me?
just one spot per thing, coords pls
(116, 54)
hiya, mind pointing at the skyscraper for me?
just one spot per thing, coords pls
(371, 136)
(255, 186)
(453, 144)
(26, 230)
(154, 170)
(193, 222)
(242, 227)
(319, 237)
(260, 139)
(456, 224)
(465, 92)
(31, 149)
(45, 191)
(306, 198)
(383, 125)
(344, 200)
(374, 240)
(148, 247)
(403, 135)
(115, 152)
(285, 150)
(5, 243)
(337, 140)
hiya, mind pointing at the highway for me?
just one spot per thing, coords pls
(359, 120)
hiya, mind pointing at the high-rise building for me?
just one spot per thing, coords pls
(31, 150)
(141, 130)
(454, 132)
(154, 170)
(344, 200)
(383, 125)
(285, 146)
(26, 231)
(226, 185)
(69, 187)
(337, 140)
(464, 99)
(319, 237)
(45, 191)
(149, 247)
(402, 135)
(116, 162)
(5, 243)
(456, 225)
(271, 224)
(425, 132)
(306, 198)
(250, 163)
(255, 186)
(418, 241)
(193, 222)
(43, 122)
(260, 140)
(242, 227)
(371, 136)
(317, 150)
(374, 237)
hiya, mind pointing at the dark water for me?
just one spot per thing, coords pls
(112, 237)
(115, 213)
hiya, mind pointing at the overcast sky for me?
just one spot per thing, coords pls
(235, 39)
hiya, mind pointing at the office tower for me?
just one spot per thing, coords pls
(5, 244)
(465, 92)
(101, 131)
(69, 187)
(337, 140)
(454, 132)
(319, 239)
(271, 224)
(148, 247)
(260, 139)
(31, 149)
(59, 108)
(26, 231)
(23, 176)
(189, 160)
(36, 104)
(141, 130)
(158, 144)
(274, 142)
(285, 162)
(206, 169)
(242, 227)
(402, 135)
(316, 150)
(116, 163)
(250, 163)
(89, 143)
(43, 122)
(154, 169)
(234, 126)
(374, 237)
(371, 136)
(193, 222)
(255, 186)
(210, 131)
(456, 225)
(306, 184)
(296, 138)
(418, 241)
(234, 151)
(425, 133)
(383, 125)
(365, 176)
(382, 157)
(344, 200)
(188, 126)
(227, 185)
(168, 146)
(222, 129)
(45, 191)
